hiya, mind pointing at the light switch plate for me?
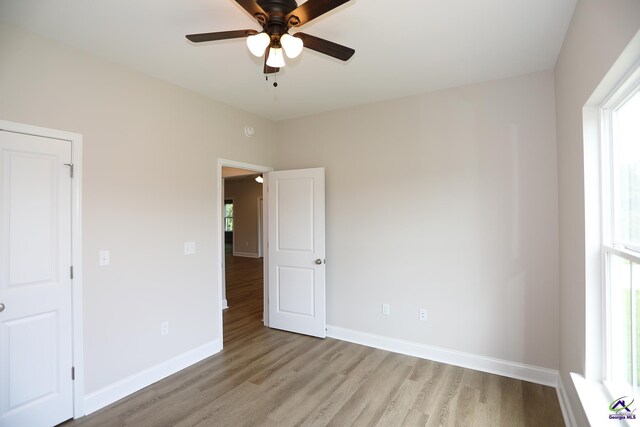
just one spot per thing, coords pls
(189, 248)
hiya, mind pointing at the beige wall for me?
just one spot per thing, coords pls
(150, 152)
(599, 31)
(446, 201)
(245, 193)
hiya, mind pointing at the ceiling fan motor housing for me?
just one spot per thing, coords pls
(276, 23)
(278, 7)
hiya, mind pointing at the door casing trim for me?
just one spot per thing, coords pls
(220, 243)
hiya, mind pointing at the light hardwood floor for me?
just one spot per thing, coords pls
(274, 378)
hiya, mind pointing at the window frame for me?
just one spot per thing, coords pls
(232, 203)
(609, 246)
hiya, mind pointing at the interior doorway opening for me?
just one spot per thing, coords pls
(242, 272)
(292, 273)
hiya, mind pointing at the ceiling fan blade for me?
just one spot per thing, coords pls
(252, 7)
(311, 10)
(220, 35)
(335, 50)
(267, 69)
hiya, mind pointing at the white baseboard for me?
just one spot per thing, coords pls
(225, 304)
(505, 368)
(114, 392)
(245, 254)
(565, 405)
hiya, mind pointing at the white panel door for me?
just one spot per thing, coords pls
(296, 251)
(35, 285)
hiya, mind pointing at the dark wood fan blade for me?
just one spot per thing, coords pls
(220, 35)
(252, 7)
(335, 50)
(267, 69)
(311, 10)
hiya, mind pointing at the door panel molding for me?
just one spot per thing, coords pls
(296, 250)
(76, 246)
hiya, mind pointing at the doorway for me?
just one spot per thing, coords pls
(241, 252)
(294, 216)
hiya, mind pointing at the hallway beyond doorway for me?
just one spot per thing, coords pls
(244, 295)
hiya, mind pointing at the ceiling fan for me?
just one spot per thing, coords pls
(276, 17)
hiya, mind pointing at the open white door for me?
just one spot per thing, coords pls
(35, 284)
(296, 254)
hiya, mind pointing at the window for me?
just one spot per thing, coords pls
(228, 215)
(621, 235)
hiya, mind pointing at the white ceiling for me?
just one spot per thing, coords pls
(403, 47)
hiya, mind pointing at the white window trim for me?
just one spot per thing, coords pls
(590, 384)
(618, 96)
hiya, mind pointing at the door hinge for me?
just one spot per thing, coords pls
(73, 373)
(70, 168)
(71, 272)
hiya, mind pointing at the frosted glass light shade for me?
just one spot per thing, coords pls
(292, 45)
(258, 43)
(259, 179)
(276, 58)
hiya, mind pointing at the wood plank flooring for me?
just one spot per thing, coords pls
(265, 377)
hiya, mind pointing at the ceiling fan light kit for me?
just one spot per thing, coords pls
(276, 17)
(275, 59)
(258, 43)
(292, 45)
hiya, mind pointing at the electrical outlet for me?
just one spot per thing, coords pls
(164, 328)
(385, 309)
(104, 258)
(423, 314)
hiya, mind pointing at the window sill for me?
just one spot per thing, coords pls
(595, 399)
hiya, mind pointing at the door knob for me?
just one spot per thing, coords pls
(318, 261)
(1, 307)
